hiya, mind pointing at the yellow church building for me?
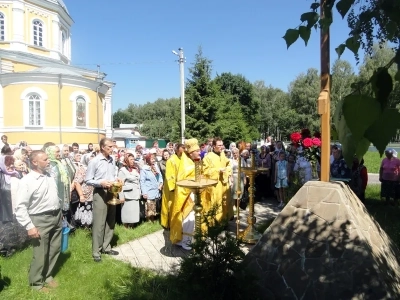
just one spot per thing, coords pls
(43, 98)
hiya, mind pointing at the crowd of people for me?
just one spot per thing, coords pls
(42, 190)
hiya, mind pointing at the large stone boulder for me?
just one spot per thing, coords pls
(325, 245)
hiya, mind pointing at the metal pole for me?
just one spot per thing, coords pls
(325, 103)
(182, 79)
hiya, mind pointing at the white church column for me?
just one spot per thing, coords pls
(1, 111)
(56, 37)
(107, 117)
(18, 41)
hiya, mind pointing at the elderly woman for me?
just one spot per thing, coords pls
(151, 183)
(130, 195)
(389, 176)
(339, 167)
(22, 155)
(235, 176)
(12, 235)
(82, 194)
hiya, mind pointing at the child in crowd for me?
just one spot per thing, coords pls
(281, 177)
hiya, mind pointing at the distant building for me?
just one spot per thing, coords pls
(42, 97)
(128, 136)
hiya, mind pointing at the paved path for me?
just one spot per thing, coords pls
(373, 178)
(155, 251)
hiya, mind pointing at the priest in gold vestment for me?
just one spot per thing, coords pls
(218, 167)
(182, 214)
(168, 195)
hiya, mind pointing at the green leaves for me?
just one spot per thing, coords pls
(382, 85)
(314, 6)
(291, 36)
(310, 17)
(353, 44)
(383, 129)
(343, 7)
(360, 113)
(340, 49)
(305, 33)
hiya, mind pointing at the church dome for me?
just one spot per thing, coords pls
(60, 3)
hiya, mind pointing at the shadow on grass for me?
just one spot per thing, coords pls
(142, 284)
(4, 282)
(62, 259)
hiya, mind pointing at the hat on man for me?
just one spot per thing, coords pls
(191, 145)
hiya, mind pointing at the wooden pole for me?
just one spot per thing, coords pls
(324, 103)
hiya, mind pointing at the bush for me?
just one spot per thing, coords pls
(212, 270)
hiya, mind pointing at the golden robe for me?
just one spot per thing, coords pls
(182, 204)
(168, 194)
(220, 194)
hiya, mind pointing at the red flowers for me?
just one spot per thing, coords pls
(310, 144)
(316, 142)
(307, 142)
(295, 137)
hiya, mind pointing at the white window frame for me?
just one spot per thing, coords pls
(43, 33)
(25, 98)
(3, 19)
(63, 44)
(73, 98)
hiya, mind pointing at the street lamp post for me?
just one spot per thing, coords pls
(181, 62)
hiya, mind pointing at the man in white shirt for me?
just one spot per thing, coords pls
(38, 210)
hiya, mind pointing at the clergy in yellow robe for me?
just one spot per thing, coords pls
(171, 173)
(182, 214)
(168, 194)
(217, 167)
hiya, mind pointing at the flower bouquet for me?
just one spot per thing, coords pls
(310, 146)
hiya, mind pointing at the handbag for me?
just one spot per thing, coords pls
(74, 196)
(244, 200)
(158, 204)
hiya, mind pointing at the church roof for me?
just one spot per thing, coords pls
(60, 3)
(53, 70)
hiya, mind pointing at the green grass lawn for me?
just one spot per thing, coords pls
(80, 278)
(78, 275)
(372, 160)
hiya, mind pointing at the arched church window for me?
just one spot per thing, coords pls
(38, 33)
(80, 112)
(34, 110)
(2, 31)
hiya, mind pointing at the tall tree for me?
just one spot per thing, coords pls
(303, 94)
(241, 92)
(342, 78)
(202, 98)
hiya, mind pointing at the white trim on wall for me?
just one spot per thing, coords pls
(50, 129)
(74, 96)
(25, 98)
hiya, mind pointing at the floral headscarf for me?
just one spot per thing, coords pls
(3, 169)
(51, 153)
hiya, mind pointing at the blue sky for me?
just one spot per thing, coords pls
(132, 41)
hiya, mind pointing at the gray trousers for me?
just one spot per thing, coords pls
(46, 249)
(103, 222)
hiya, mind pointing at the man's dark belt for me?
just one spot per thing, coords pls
(48, 213)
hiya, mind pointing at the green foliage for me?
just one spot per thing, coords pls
(212, 270)
(368, 21)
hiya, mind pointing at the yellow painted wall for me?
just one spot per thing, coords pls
(13, 105)
(43, 137)
(4, 45)
(21, 67)
(37, 50)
